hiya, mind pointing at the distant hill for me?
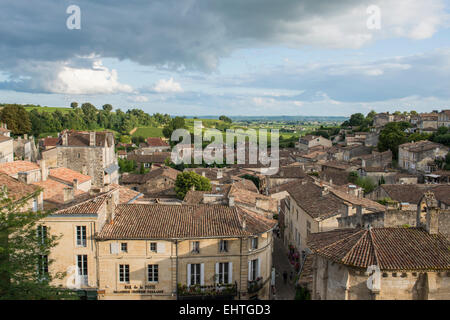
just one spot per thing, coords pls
(279, 118)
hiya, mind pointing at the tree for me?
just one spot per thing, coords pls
(16, 118)
(107, 107)
(175, 123)
(74, 105)
(356, 119)
(186, 180)
(392, 136)
(225, 119)
(24, 251)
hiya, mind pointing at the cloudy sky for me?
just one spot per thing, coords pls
(233, 57)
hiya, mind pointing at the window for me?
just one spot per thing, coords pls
(42, 265)
(82, 268)
(254, 243)
(124, 273)
(124, 247)
(195, 273)
(81, 236)
(195, 246)
(152, 270)
(253, 272)
(223, 272)
(42, 234)
(153, 247)
(223, 245)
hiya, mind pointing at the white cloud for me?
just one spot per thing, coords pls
(95, 80)
(137, 99)
(167, 86)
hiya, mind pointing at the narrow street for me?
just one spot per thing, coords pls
(284, 291)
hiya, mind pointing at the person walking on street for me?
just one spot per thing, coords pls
(291, 276)
(285, 275)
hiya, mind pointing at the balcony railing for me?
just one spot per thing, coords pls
(217, 291)
(254, 285)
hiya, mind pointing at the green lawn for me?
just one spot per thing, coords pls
(49, 109)
(148, 132)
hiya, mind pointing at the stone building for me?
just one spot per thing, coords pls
(444, 119)
(314, 208)
(388, 263)
(25, 148)
(153, 144)
(420, 156)
(409, 195)
(428, 122)
(90, 153)
(6, 149)
(166, 259)
(148, 160)
(141, 251)
(158, 183)
(15, 190)
(309, 141)
(377, 159)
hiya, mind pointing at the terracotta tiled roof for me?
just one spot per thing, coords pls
(50, 141)
(412, 193)
(289, 172)
(13, 168)
(141, 221)
(157, 157)
(81, 138)
(196, 197)
(309, 197)
(68, 175)
(420, 146)
(126, 194)
(54, 192)
(156, 142)
(16, 189)
(4, 138)
(246, 185)
(338, 177)
(155, 173)
(393, 249)
(363, 202)
(90, 206)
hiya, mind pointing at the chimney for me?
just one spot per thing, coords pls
(431, 222)
(244, 224)
(219, 174)
(65, 139)
(325, 191)
(25, 136)
(203, 173)
(68, 195)
(75, 184)
(231, 201)
(92, 139)
(44, 170)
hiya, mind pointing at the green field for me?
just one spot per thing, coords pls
(148, 132)
(49, 109)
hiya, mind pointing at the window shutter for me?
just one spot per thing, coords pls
(230, 272)
(161, 247)
(189, 274)
(249, 270)
(258, 271)
(217, 273)
(114, 247)
(202, 274)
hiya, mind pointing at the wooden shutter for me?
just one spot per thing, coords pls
(258, 271)
(230, 272)
(161, 247)
(216, 276)
(114, 247)
(249, 270)
(202, 274)
(189, 274)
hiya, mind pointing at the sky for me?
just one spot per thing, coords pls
(233, 57)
